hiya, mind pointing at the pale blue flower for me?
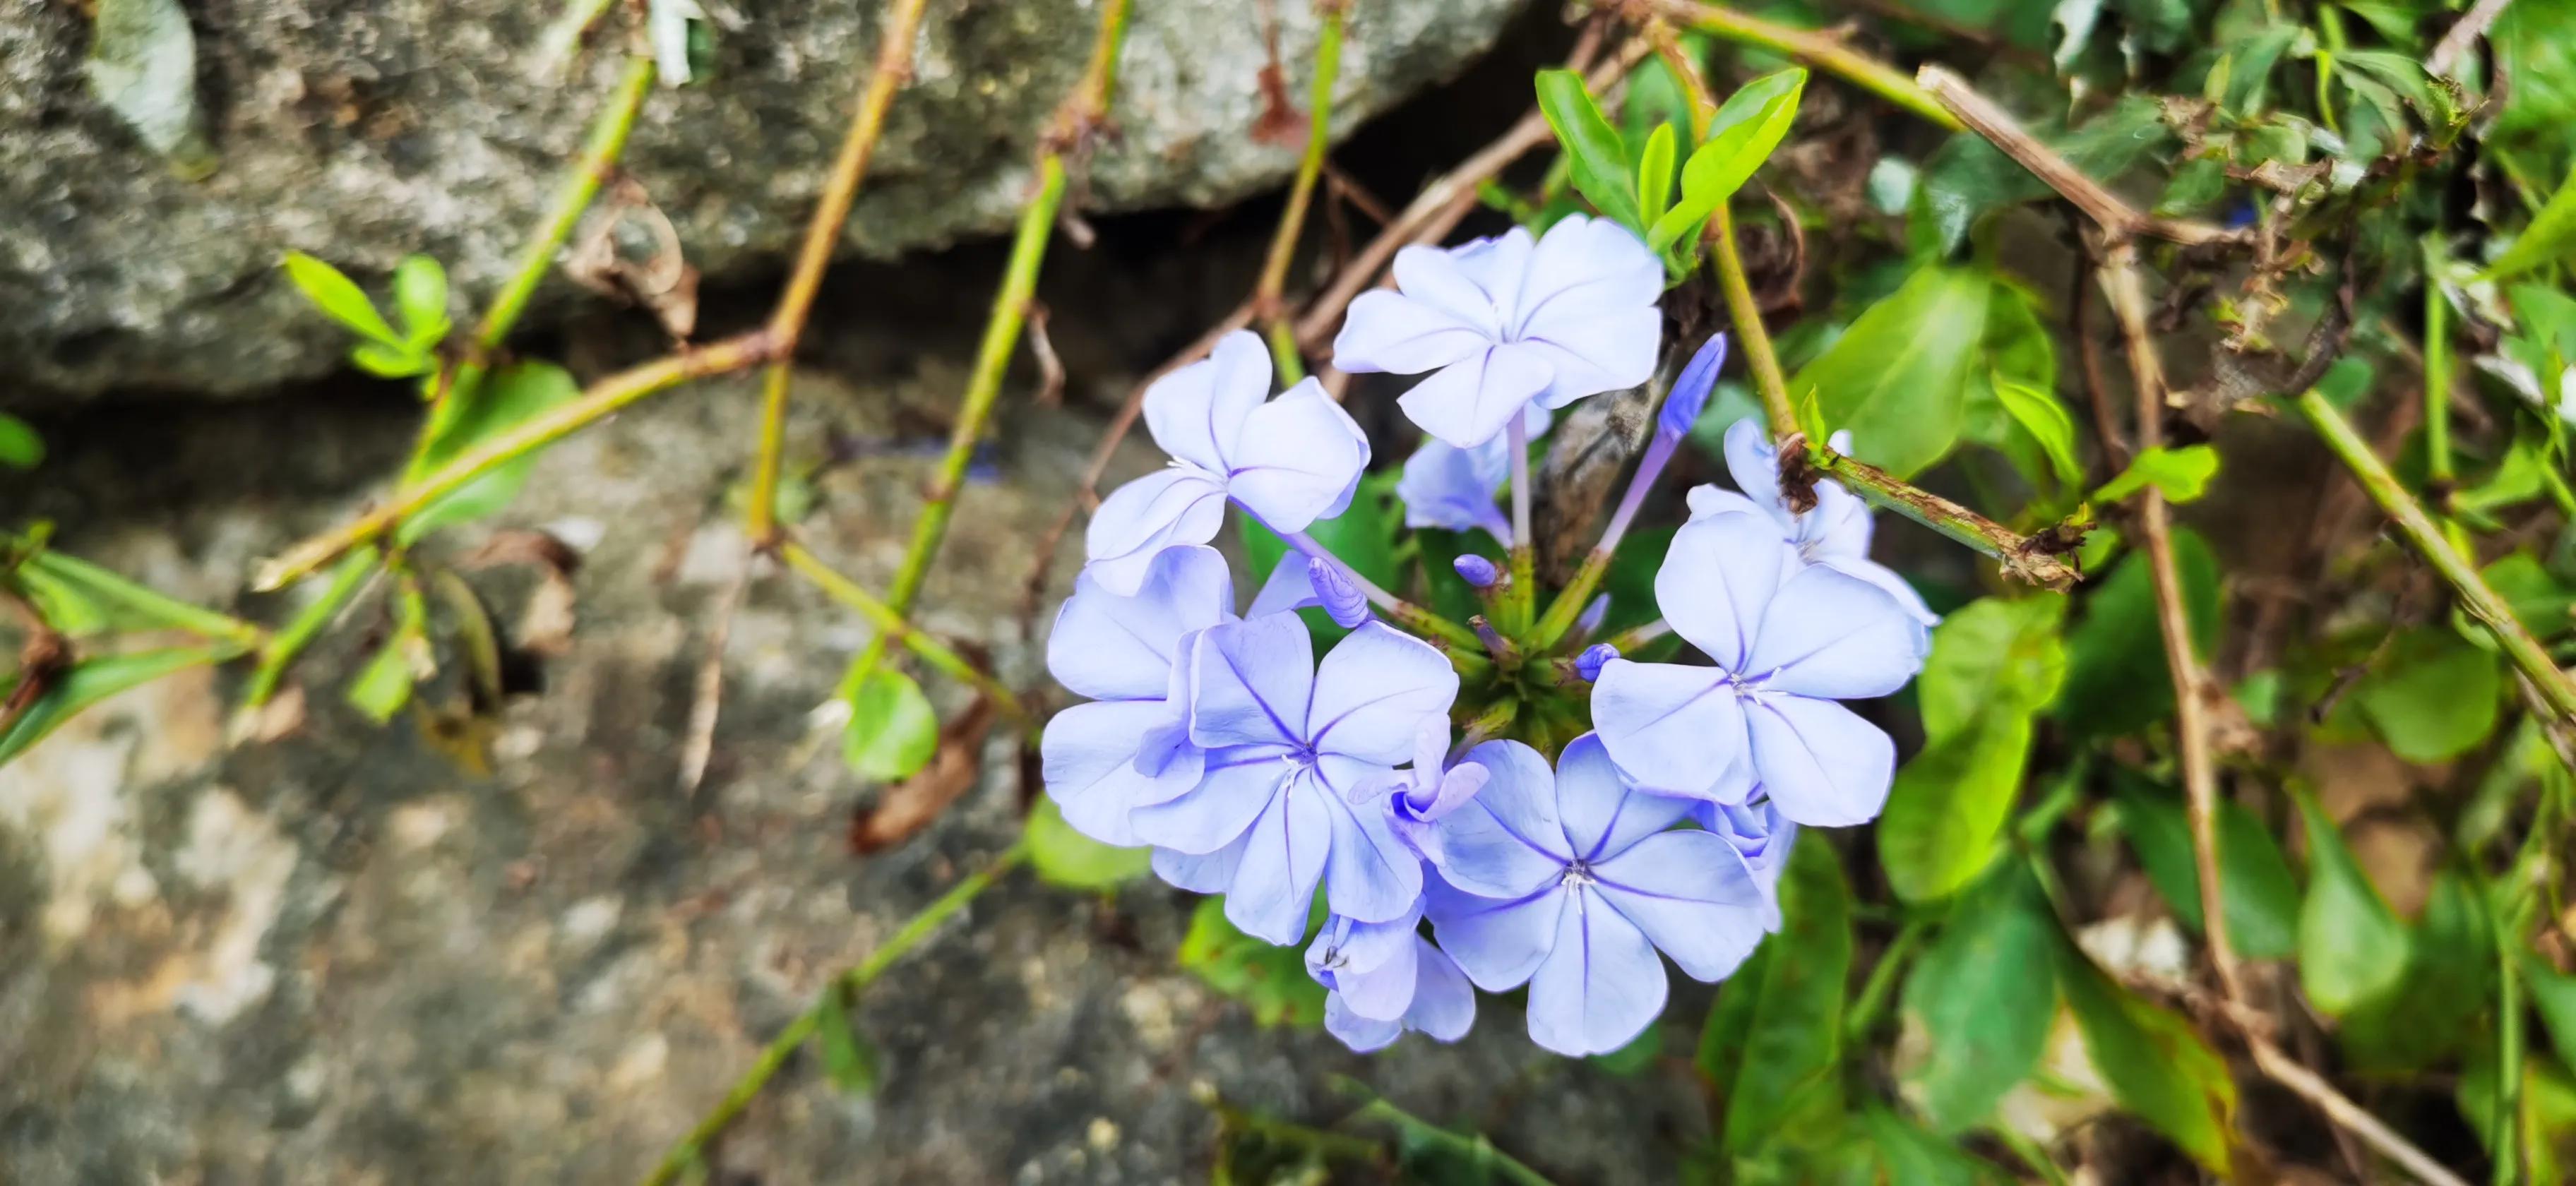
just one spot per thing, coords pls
(1571, 880)
(1786, 641)
(1506, 322)
(1287, 741)
(1385, 979)
(1289, 461)
(1834, 533)
(1130, 746)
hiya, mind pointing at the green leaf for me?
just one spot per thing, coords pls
(384, 685)
(1897, 377)
(2435, 1011)
(2157, 1065)
(142, 65)
(1994, 665)
(85, 684)
(1271, 980)
(2351, 946)
(340, 299)
(2260, 890)
(1741, 135)
(420, 294)
(1983, 995)
(1070, 859)
(2551, 233)
(2435, 697)
(1655, 176)
(513, 396)
(1788, 1085)
(388, 362)
(2183, 474)
(1993, 654)
(849, 1060)
(2116, 680)
(2047, 421)
(2532, 49)
(2553, 993)
(893, 731)
(82, 599)
(20, 447)
(2545, 1124)
(1592, 147)
(1901, 1151)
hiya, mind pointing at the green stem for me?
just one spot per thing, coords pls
(848, 984)
(1820, 50)
(2425, 536)
(600, 399)
(1874, 994)
(892, 627)
(2509, 1042)
(1746, 319)
(1339, 1146)
(300, 631)
(2438, 465)
(1266, 303)
(893, 67)
(1002, 330)
(599, 153)
(1569, 602)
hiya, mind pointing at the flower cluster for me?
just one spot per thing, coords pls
(1290, 782)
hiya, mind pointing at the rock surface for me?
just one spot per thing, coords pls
(360, 131)
(340, 958)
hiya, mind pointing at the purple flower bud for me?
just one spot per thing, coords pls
(1690, 392)
(1588, 664)
(1343, 602)
(1477, 571)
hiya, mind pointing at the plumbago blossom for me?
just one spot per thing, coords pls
(1503, 322)
(1786, 641)
(1288, 461)
(1601, 815)
(1834, 533)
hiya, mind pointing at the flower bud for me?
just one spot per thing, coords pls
(1342, 600)
(1690, 392)
(1588, 664)
(1477, 571)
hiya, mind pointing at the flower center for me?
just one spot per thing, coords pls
(1577, 875)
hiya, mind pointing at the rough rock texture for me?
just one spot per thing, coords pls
(343, 959)
(363, 129)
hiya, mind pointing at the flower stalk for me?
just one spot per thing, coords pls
(1081, 112)
(814, 256)
(580, 186)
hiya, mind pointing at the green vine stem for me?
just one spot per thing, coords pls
(1821, 50)
(1267, 306)
(892, 627)
(814, 255)
(598, 400)
(841, 988)
(1082, 112)
(2425, 536)
(300, 631)
(573, 196)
